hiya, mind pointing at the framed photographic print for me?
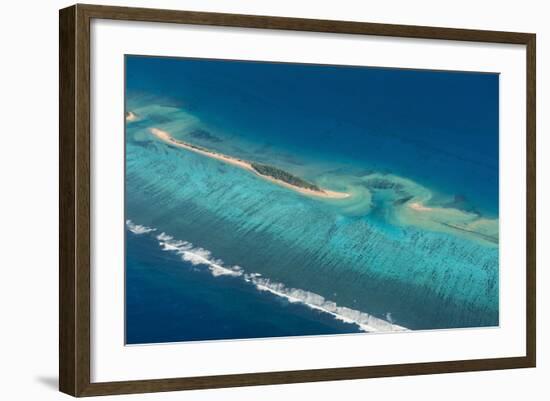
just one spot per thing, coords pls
(251, 200)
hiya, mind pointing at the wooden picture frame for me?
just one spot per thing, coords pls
(75, 208)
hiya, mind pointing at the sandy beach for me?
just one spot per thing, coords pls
(131, 116)
(323, 193)
(419, 207)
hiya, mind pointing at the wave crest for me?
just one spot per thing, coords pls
(138, 229)
(197, 256)
(200, 256)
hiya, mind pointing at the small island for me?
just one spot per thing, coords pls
(265, 171)
(278, 174)
(131, 116)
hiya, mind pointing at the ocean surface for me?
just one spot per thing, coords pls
(214, 252)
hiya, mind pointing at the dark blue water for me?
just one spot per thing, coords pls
(437, 128)
(169, 300)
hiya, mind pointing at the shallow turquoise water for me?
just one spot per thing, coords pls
(351, 252)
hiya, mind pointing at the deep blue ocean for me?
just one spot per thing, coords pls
(168, 300)
(390, 137)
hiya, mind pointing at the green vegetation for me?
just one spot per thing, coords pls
(177, 141)
(282, 175)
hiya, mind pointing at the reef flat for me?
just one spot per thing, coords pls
(271, 173)
(256, 208)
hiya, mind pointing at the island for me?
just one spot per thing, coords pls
(281, 175)
(267, 172)
(131, 116)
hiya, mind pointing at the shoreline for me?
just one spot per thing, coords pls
(419, 207)
(456, 220)
(131, 116)
(245, 165)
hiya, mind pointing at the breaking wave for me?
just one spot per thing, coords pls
(198, 256)
(138, 229)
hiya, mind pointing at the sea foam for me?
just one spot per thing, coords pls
(138, 229)
(203, 257)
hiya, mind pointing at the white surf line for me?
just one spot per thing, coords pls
(138, 229)
(365, 321)
(200, 256)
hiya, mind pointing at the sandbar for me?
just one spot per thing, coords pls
(131, 116)
(245, 165)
